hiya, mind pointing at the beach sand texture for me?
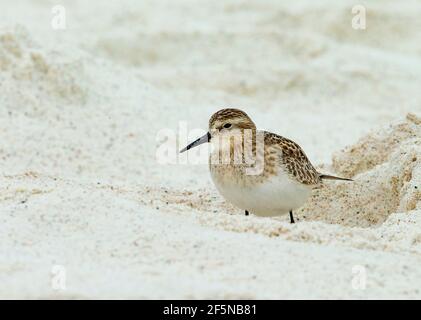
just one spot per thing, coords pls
(83, 110)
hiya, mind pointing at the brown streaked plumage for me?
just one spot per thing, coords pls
(281, 184)
(219, 118)
(293, 159)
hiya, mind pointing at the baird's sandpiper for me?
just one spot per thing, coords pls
(281, 183)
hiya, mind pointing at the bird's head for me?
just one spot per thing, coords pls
(225, 122)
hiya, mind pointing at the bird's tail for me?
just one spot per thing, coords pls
(328, 177)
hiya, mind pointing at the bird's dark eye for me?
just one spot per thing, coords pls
(227, 125)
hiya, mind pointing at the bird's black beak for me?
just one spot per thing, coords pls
(201, 140)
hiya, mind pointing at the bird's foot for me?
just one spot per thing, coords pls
(291, 217)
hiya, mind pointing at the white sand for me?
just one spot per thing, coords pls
(80, 110)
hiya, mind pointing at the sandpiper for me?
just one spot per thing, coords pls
(280, 184)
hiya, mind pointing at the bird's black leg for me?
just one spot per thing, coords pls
(291, 217)
(247, 213)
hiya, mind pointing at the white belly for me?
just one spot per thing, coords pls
(276, 196)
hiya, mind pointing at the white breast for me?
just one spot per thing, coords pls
(275, 196)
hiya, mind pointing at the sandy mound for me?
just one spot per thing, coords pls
(386, 167)
(23, 63)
